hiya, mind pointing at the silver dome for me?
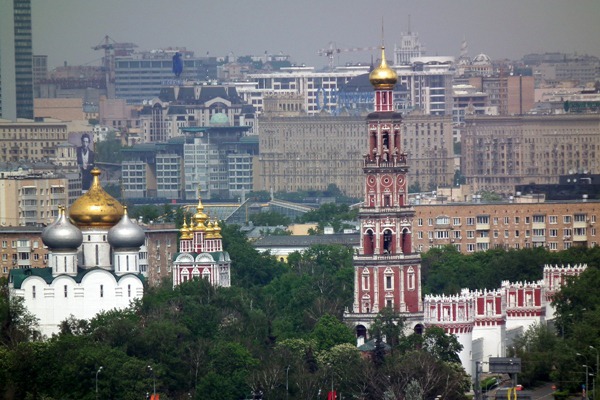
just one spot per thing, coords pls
(62, 234)
(126, 234)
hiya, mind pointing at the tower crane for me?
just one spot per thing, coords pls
(332, 50)
(112, 48)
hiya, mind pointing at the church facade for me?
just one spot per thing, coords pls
(93, 262)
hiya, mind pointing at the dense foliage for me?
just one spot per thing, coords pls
(278, 331)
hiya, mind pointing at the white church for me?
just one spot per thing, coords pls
(93, 263)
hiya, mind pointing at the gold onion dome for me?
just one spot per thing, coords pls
(200, 216)
(217, 229)
(210, 231)
(185, 231)
(96, 208)
(383, 77)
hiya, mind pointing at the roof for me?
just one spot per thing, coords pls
(308, 240)
(18, 276)
(370, 346)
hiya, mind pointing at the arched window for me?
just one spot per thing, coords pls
(411, 278)
(387, 242)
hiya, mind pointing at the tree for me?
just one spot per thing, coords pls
(388, 326)
(329, 332)
(109, 150)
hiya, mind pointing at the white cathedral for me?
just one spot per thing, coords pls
(93, 262)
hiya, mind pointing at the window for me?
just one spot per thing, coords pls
(566, 219)
(470, 221)
(456, 234)
(455, 221)
(66, 290)
(483, 219)
(4, 244)
(553, 219)
(495, 220)
(553, 245)
(495, 233)
(388, 282)
(470, 234)
(539, 219)
(470, 247)
(441, 235)
(442, 220)
(517, 233)
(580, 217)
(553, 232)
(527, 220)
(506, 233)
(506, 220)
(420, 234)
(33, 291)
(420, 222)
(579, 231)
(430, 221)
(517, 220)
(567, 232)
(101, 290)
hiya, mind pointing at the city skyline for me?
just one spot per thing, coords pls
(508, 29)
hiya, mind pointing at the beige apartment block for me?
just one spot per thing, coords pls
(312, 152)
(472, 227)
(61, 109)
(31, 199)
(26, 140)
(499, 152)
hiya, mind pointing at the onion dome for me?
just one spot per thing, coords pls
(126, 234)
(96, 208)
(217, 229)
(199, 218)
(383, 77)
(62, 234)
(210, 231)
(185, 231)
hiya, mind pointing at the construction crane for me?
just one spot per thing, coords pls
(112, 48)
(332, 50)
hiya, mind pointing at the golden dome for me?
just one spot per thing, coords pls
(185, 231)
(200, 216)
(210, 231)
(217, 229)
(383, 77)
(96, 208)
(199, 227)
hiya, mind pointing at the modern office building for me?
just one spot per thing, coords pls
(499, 152)
(141, 76)
(16, 60)
(217, 158)
(511, 95)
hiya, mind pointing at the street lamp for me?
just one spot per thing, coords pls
(287, 375)
(97, 372)
(587, 376)
(153, 383)
(597, 364)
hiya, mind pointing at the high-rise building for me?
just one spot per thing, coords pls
(500, 152)
(387, 270)
(16, 60)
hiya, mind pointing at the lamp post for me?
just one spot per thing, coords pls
(97, 372)
(153, 383)
(597, 364)
(287, 375)
(587, 376)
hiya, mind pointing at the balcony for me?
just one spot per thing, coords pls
(538, 239)
(482, 227)
(538, 225)
(482, 239)
(580, 238)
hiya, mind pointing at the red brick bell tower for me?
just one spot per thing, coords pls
(387, 272)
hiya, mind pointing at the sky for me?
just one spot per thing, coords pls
(66, 30)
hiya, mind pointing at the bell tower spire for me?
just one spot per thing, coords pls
(387, 269)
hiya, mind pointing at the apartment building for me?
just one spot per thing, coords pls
(304, 152)
(472, 227)
(428, 81)
(499, 152)
(28, 198)
(29, 140)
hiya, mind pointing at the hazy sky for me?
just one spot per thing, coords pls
(66, 30)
